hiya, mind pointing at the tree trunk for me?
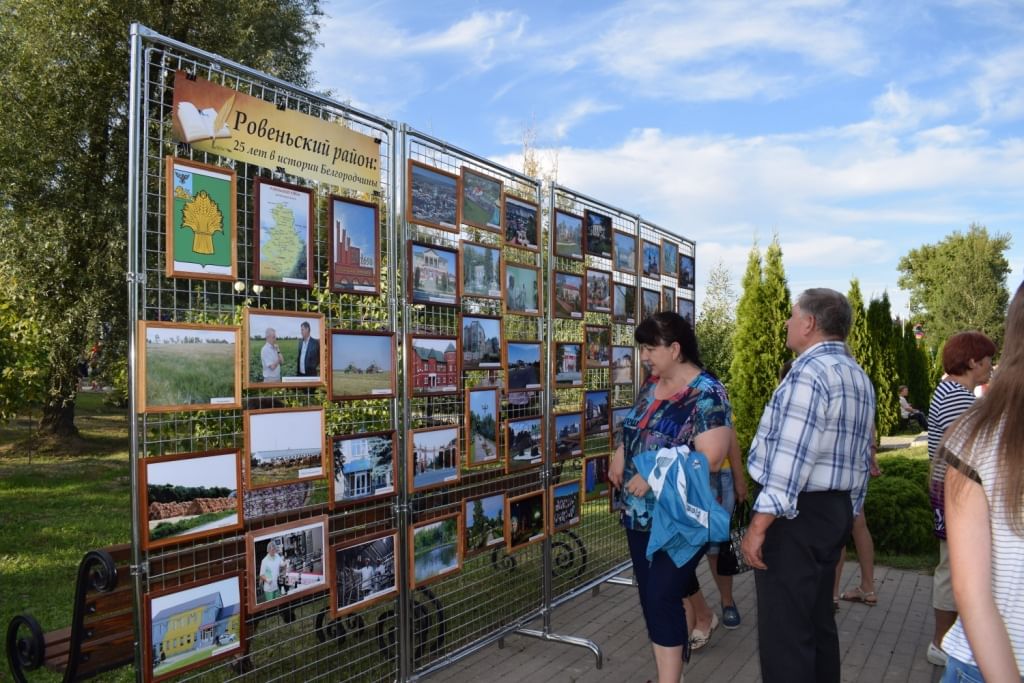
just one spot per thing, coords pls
(59, 418)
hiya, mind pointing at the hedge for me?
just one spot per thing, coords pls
(899, 514)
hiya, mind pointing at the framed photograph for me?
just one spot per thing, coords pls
(286, 562)
(650, 302)
(483, 414)
(566, 505)
(364, 573)
(568, 360)
(522, 289)
(524, 443)
(567, 295)
(567, 242)
(433, 274)
(597, 240)
(189, 367)
(595, 411)
(283, 348)
(622, 364)
(485, 523)
(355, 246)
(192, 626)
(284, 250)
(525, 520)
(686, 279)
(522, 360)
(684, 307)
(567, 433)
(481, 342)
(284, 446)
(598, 347)
(618, 417)
(363, 467)
(481, 200)
(668, 298)
(624, 304)
(595, 477)
(481, 270)
(615, 502)
(599, 291)
(433, 197)
(435, 550)
(650, 259)
(434, 365)
(624, 252)
(433, 457)
(362, 365)
(522, 225)
(669, 258)
(201, 227)
(189, 496)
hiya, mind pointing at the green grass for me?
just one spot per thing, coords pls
(189, 374)
(359, 384)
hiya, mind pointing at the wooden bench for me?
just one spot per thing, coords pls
(101, 636)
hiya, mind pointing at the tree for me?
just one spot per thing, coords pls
(777, 308)
(886, 380)
(959, 284)
(716, 323)
(916, 379)
(64, 144)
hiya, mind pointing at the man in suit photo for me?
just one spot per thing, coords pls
(308, 364)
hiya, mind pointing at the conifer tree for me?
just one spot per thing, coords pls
(861, 344)
(917, 381)
(777, 307)
(885, 379)
(716, 323)
(748, 385)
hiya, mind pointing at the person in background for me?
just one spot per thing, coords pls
(909, 412)
(967, 360)
(308, 363)
(865, 545)
(270, 357)
(984, 451)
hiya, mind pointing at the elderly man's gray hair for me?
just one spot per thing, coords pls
(830, 309)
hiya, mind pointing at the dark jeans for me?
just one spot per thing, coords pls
(920, 418)
(796, 625)
(662, 586)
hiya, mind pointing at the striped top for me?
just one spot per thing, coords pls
(1007, 552)
(815, 433)
(950, 400)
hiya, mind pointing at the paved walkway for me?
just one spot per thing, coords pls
(882, 644)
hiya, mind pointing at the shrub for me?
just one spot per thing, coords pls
(897, 508)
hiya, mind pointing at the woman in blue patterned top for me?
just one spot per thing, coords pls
(680, 404)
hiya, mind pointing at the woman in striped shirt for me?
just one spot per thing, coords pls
(985, 490)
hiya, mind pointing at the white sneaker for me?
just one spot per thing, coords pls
(936, 656)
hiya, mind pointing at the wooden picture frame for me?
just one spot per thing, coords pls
(432, 197)
(372, 461)
(687, 272)
(599, 291)
(524, 443)
(650, 259)
(434, 365)
(597, 346)
(476, 259)
(483, 426)
(566, 435)
(669, 258)
(481, 197)
(565, 505)
(284, 438)
(348, 580)
(287, 327)
(479, 537)
(427, 448)
(597, 239)
(567, 295)
(522, 526)
(481, 342)
(172, 377)
(223, 593)
(618, 417)
(624, 303)
(567, 364)
(596, 412)
(183, 478)
(650, 302)
(354, 233)
(440, 530)
(684, 307)
(522, 222)
(209, 249)
(595, 477)
(302, 545)
(523, 366)
(623, 365)
(519, 299)
(434, 277)
(370, 372)
(284, 265)
(624, 252)
(668, 298)
(567, 236)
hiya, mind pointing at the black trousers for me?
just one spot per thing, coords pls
(796, 624)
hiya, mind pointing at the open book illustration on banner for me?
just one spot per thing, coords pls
(208, 124)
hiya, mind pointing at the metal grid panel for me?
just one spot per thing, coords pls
(687, 247)
(360, 646)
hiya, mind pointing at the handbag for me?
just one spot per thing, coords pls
(730, 557)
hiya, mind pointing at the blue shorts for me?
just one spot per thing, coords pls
(961, 672)
(725, 494)
(662, 586)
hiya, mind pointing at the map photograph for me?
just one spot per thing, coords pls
(284, 251)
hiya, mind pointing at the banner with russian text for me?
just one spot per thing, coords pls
(219, 120)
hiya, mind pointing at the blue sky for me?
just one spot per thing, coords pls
(856, 131)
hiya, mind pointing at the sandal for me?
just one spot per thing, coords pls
(699, 639)
(858, 595)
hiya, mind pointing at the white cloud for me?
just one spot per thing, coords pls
(999, 87)
(558, 126)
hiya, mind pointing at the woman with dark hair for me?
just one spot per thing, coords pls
(680, 404)
(985, 522)
(967, 360)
